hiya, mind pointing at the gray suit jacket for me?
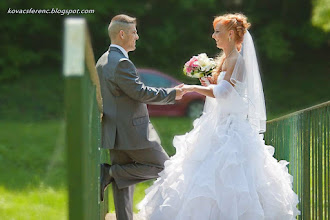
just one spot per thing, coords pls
(125, 123)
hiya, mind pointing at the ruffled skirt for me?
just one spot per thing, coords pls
(221, 170)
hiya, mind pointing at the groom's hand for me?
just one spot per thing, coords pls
(179, 91)
(179, 86)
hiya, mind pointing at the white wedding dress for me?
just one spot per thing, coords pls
(222, 169)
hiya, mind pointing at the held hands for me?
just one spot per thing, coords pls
(179, 91)
(182, 89)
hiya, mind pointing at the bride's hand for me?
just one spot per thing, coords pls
(211, 80)
(205, 81)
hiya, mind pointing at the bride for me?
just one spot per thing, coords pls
(222, 168)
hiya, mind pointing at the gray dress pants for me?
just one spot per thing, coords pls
(130, 167)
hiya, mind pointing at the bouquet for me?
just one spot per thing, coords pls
(199, 66)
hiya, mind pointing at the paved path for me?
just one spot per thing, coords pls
(112, 216)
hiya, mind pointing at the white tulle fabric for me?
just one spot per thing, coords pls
(221, 170)
(247, 81)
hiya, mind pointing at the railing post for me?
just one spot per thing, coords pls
(306, 155)
(82, 126)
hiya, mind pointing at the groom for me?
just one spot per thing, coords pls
(135, 151)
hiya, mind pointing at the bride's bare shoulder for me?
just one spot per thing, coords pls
(230, 65)
(235, 64)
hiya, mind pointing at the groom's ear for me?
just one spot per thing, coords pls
(121, 34)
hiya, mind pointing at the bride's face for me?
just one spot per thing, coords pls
(220, 35)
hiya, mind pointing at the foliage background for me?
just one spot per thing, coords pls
(291, 39)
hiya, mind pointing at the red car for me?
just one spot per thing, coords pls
(190, 105)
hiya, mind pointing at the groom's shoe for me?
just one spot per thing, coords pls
(106, 179)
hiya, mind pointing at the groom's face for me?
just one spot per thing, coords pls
(131, 37)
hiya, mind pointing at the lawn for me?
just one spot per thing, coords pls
(32, 167)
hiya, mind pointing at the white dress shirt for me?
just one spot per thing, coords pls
(121, 49)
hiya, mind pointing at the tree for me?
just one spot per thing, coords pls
(321, 14)
(170, 31)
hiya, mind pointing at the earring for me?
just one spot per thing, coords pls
(229, 38)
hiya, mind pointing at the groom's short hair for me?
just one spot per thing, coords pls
(119, 22)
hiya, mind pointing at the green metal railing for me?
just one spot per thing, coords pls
(83, 131)
(302, 138)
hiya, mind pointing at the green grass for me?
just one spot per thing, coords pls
(32, 154)
(33, 167)
(167, 128)
(33, 203)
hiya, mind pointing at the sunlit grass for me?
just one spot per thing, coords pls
(32, 171)
(33, 203)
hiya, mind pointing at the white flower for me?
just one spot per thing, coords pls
(210, 65)
(203, 59)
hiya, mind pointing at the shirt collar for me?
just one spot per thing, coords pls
(121, 49)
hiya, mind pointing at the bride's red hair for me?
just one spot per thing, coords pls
(236, 22)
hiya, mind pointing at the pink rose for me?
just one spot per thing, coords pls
(195, 64)
(189, 69)
(191, 61)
